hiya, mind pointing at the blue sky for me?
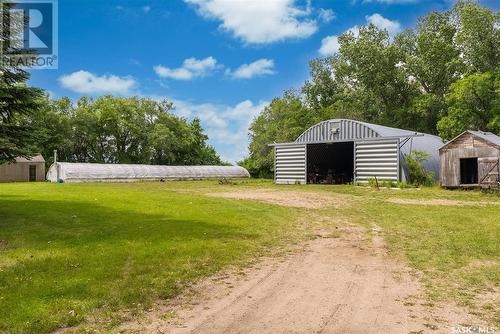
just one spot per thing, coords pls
(219, 60)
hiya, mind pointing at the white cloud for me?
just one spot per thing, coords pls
(85, 82)
(245, 111)
(257, 68)
(259, 22)
(191, 68)
(392, 27)
(226, 126)
(326, 15)
(146, 9)
(330, 44)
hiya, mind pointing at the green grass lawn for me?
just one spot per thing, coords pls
(69, 249)
(72, 251)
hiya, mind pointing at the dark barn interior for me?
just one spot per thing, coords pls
(330, 163)
(468, 171)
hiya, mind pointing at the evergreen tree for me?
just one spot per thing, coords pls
(16, 98)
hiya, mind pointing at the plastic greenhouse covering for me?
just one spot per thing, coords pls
(91, 172)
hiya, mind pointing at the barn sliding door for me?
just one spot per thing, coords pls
(376, 158)
(290, 164)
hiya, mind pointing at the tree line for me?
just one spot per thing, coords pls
(119, 130)
(441, 77)
(105, 130)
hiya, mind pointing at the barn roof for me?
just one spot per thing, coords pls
(488, 136)
(348, 130)
(36, 158)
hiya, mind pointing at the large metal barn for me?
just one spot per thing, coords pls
(339, 151)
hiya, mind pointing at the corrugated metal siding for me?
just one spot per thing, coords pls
(290, 164)
(347, 130)
(378, 158)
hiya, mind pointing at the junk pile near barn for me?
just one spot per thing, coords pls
(470, 160)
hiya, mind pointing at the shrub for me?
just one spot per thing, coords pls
(417, 174)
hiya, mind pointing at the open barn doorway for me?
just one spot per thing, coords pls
(330, 163)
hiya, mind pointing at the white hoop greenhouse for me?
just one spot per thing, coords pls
(91, 172)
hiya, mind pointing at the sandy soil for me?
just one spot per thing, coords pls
(330, 285)
(445, 202)
(297, 199)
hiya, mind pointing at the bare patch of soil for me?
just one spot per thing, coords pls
(345, 284)
(3, 245)
(444, 202)
(297, 199)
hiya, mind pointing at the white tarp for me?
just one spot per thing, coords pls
(89, 172)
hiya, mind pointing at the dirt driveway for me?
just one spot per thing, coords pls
(333, 285)
(345, 284)
(294, 199)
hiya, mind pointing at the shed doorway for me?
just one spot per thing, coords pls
(32, 173)
(468, 171)
(330, 163)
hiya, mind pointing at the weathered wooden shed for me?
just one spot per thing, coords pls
(23, 170)
(470, 160)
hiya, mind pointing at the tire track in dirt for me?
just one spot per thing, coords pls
(331, 285)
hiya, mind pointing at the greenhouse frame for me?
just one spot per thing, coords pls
(340, 151)
(93, 172)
